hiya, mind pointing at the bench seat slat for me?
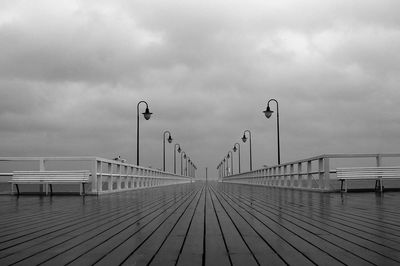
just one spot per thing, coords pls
(50, 177)
(377, 173)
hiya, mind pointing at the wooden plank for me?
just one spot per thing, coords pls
(145, 253)
(353, 242)
(202, 224)
(96, 248)
(44, 250)
(215, 249)
(192, 249)
(84, 234)
(264, 253)
(236, 245)
(171, 250)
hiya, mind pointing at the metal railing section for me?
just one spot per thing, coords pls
(314, 173)
(106, 175)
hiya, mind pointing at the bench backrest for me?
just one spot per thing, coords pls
(368, 172)
(50, 176)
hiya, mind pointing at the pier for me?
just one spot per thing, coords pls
(202, 223)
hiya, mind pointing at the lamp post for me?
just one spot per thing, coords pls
(230, 155)
(147, 116)
(268, 112)
(244, 139)
(237, 149)
(169, 141)
(179, 150)
(182, 161)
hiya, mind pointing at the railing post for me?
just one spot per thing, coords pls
(110, 177)
(96, 187)
(119, 177)
(309, 175)
(292, 175)
(270, 183)
(42, 167)
(327, 174)
(321, 173)
(42, 164)
(285, 177)
(265, 172)
(299, 174)
(279, 176)
(378, 164)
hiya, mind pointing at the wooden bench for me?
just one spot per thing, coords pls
(48, 178)
(367, 173)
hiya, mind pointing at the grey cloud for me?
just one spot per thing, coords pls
(74, 73)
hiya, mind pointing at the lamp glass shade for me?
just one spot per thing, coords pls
(179, 149)
(234, 149)
(184, 156)
(244, 139)
(268, 112)
(169, 139)
(228, 156)
(147, 114)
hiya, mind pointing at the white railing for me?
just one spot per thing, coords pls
(316, 173)
(106, 175)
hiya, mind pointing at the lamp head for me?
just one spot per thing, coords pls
(184, 156)
(179, 149)
(268, 112)
(147, 114)
(169, 139)
(228, 156)
(244, 139)
(234, 148)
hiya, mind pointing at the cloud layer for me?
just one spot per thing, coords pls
(72, 72)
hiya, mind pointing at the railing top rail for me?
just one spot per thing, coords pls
(55, 158)
(84, 158)
(323, 156)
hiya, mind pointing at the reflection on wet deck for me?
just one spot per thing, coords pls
(202, 224)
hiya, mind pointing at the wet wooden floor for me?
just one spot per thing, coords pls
(202, 224)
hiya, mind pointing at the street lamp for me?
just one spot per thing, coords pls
(147, 116)
(231, 156)
(244, 139)
(268, 113)
(169, 141)
(179, 150)
(237, 149)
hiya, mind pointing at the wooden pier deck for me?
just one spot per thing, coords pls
(202, 224)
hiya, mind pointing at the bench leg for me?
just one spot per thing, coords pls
(379, 185)
(82, 189)
(51, 189)
(341, 185)
(12, 188)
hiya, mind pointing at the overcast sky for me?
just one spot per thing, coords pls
(72, 73)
